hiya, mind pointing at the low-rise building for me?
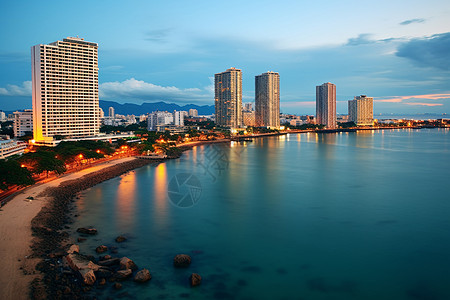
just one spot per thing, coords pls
(10, 147)
(23, 122)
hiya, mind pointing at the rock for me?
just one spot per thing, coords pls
(88, 276)
(67, 290)
(120, 239)
(80, 240)
(126, 263)
(101, 249)
(87, 230)
(196, 279)
(104, 272)
(109, 262)
(182, 261)
(102, 281)
(105, 257)
(143, 276)
(117, 286)
(73, 249)
(123, 274)
(79, 262)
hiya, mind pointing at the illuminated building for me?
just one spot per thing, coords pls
(267, 100)
(65, 90)
(360, 110)
(23, 122)
(228, 98)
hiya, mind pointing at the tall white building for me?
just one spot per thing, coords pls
(228, 98)
(2, 116)
(267, 100)
(159, 118)
(326, 105)
(65, 89)
(178, 118)
(360, 110)
(23, 122)
(193, 112)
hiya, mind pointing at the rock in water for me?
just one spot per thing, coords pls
(104, 272)
(109, 262)
(88, 276)
(126, 263)
(143, 276)
(123, 274)
(74, 248)
(182, 261)
(87, 230)
(196, 279)
(79, 262)
(117, 286)
(120, 239)
(101, 249)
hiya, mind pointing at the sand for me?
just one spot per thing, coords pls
(16, 270)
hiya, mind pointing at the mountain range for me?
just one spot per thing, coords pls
(148, 107)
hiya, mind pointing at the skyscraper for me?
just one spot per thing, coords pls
(111, 113)
(228, 98)
(360, 110)
(267, 99)
(65, 89)
(326, 105)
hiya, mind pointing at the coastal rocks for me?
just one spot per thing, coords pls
(80, 240)
(195, 279)
(73, 249)
(121, 239)
(88, 276)
(79, 262)
(117, 286)
(87, 230)
(101, 249)
(143, 276)
(123, 274)
(105, 257)
(104, 272)
(109, 262)
(181, 261)
(126, 263)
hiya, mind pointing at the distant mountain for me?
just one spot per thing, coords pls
(135, 109)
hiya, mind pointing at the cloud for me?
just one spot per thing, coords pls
(362, 39)
(424, 104)
(158, 35)
(407, 22)
(400, 99)
(16, 90)
(141, 90)
(432, 51)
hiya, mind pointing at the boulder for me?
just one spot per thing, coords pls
(195, 279)
(117, 286)
(74, 248)
(107, 256)
(87, 230)
(79, 262)
(126, 263)
(182, 261)
(123, 274)
(101, 249)
(120, 239)
(109, 262)
(143, 276)
(102, 281)
(88, 276)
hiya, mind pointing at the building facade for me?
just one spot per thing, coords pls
(193, 112)
(228, 98)
(249, 118)
(267, 100)
(23, 122)
(65, 89)
(178, 118)
(111, 113)
(9, 147)
(159, 118)
(360, 110)
(326, 105)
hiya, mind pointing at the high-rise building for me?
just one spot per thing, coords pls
(228, 98)
(249, 118)
(23, 122)
(360, 110)
(267, 100)
(65, 89)
(248, 106)
(178, 118)
(111, 113)
(326, 105)
(159, 118)
(2, 116)
(193, 112)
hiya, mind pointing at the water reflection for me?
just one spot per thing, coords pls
(126, 198)
(160, 194)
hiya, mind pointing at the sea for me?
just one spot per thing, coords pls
(354, 215)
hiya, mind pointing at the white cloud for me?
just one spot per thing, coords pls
(144, 91)
(16, 90)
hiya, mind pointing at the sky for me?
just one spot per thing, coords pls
(395, 51)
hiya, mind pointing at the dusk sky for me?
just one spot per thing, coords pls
(395, 51)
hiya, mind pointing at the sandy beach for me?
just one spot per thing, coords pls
(17, 271)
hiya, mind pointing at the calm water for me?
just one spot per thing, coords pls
(334, 216)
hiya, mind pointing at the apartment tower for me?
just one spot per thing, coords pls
(65, 89)
(267, 100)
(360, 110)
(326, 105)
(228, 98)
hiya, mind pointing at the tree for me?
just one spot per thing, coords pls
(11, 173)
(43, 161)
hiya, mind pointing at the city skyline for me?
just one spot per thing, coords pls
(400, 58)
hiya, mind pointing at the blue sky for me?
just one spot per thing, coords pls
(395, 51)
